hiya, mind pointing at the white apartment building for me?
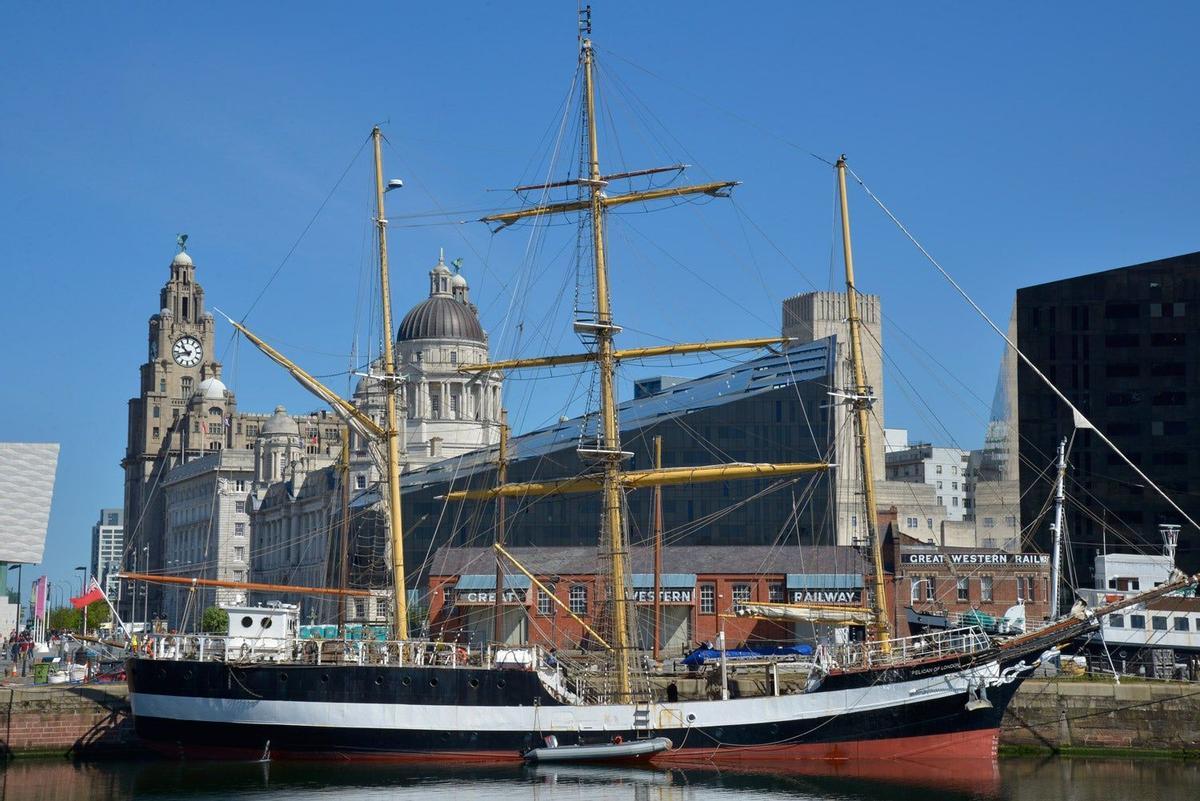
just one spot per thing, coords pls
(944, 469)
(108, 542)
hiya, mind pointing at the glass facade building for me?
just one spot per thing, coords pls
(771, 409)
(1124, 346)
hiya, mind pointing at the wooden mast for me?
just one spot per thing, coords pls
(658, 527)
(609, 452)
(502, 477)
(392, 433)
(861, 403)
(344, 534)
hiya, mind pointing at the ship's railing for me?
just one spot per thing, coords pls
(921, 647)
(1002, 625)
(220, 648)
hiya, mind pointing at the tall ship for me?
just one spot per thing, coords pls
(265, 689)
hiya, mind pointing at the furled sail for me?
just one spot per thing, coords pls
(809, 613)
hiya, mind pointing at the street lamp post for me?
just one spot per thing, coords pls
(19, 621)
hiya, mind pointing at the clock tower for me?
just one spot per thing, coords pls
(182, 410)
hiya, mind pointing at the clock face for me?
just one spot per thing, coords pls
(187, 351)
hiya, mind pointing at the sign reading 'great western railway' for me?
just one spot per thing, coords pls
(974, 558)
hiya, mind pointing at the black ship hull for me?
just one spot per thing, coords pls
(944, 709)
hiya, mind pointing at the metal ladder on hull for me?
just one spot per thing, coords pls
(641, 719)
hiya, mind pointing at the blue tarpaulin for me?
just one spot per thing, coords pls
(702, 655)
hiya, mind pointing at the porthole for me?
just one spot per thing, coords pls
(501, 683)
(405, 681)
(283, 677)
(266, 622)
(247, 622)
(691, 718)
(474, 683)
(379, 680)
(324, 677)
(433, 682)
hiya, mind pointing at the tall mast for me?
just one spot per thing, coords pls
(658, 528)
(392, 433)
(861, 402)
(1059, 494)
(344, 535)
(609, 451)
(502, 478)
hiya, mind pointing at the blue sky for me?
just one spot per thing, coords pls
(1021, 142)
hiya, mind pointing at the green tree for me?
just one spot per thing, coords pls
(66, 618)
(97, 614)
(215, 620)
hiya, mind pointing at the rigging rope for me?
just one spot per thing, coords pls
(1080, 418)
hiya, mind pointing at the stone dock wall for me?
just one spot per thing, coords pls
(93, 720)
(88, 720)
(1084, 715)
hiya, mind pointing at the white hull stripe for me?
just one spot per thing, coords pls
(683, 714)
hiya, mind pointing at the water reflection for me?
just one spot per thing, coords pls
(1023, 779)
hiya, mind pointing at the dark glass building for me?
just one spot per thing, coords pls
(772, 409)
(1124, 346)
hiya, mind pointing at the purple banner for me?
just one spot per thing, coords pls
(39, 597)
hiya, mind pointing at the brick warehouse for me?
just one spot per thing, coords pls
(953, 581)
(699, 585)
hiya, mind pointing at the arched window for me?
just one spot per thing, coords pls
(214, 411)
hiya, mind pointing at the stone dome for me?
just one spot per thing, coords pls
(182, 259)
(458, 281)
(211, 389)
(441, 317)
(280, 423)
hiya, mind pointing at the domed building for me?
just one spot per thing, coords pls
(446, 412)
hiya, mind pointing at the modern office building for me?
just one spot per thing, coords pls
(27, 473)
(108, 541)
(770, 409)
(1124, 346)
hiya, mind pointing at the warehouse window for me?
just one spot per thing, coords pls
(741, 593)
(578, 599)
(544, 606)
(708, 599)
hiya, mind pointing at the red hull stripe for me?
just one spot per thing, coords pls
(978, 744)
(933, 749)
